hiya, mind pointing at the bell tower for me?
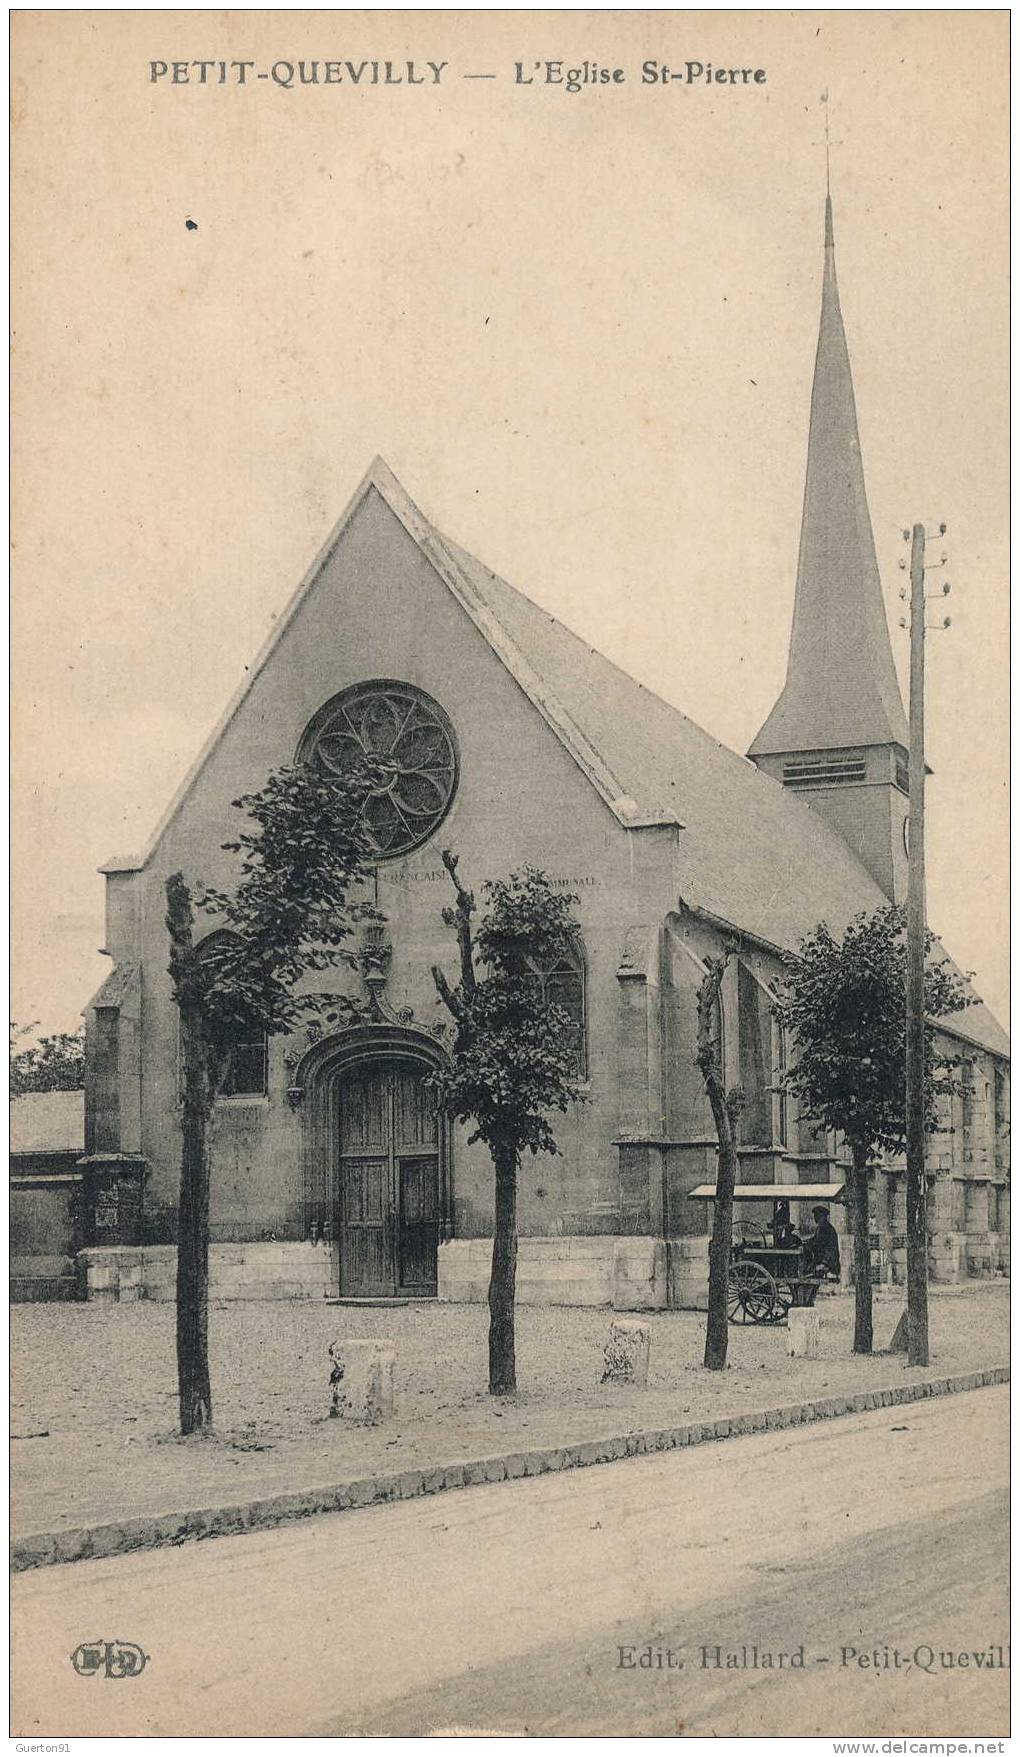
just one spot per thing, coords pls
(838, 733)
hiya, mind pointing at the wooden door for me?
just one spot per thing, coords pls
(389, 1183)
(416, 1153)
(366, 1207)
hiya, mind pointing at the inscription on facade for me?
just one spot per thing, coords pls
(438, 875)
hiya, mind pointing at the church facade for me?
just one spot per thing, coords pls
(512, 742)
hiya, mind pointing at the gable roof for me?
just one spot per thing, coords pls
(380, 479)
(48, 1122)
(750, 853)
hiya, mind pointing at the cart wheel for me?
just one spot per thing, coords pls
(752, 1295)
(784, 1300)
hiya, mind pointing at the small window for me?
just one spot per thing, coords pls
(967, 1108)
(719, 1033)
(780, 1096)
(562, 982)
(247, 1076)
(1001, 1109)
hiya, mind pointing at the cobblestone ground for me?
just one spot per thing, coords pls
(94, 1392)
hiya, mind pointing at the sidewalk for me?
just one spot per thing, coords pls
(94, 1406)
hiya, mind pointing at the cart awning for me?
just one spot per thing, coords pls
(774, 1192)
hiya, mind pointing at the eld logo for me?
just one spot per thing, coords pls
(115, 1659)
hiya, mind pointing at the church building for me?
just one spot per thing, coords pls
(513, 742)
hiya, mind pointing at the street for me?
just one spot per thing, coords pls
(838, 1568)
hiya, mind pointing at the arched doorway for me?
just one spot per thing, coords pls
(377, 1159)
(388, 1181)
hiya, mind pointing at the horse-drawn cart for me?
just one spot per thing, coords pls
(767, 1278)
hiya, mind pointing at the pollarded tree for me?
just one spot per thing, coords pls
(843, 1005)
(301, 890)
(726, 1107)
(513, 1059)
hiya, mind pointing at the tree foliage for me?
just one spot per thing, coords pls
(842, 1003)
(301, 891)
(300, 894)
(513, 1058)
(51, 1063)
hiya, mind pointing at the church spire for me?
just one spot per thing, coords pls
(841, 690)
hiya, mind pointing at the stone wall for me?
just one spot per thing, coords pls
(46, 1229)
(628, 1274)
(117, 1274)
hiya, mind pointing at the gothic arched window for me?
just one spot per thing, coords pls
(248, 1073)
(402, 724)
(562, 981)
(780, 1093)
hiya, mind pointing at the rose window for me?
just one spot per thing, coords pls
(409, 730)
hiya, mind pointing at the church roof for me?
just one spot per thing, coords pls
(841, 688)
(751, 854)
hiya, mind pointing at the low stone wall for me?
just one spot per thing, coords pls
(962, 1256)
(120, 1273)
(628, 1274)
(688, 1274)
(631, 1274)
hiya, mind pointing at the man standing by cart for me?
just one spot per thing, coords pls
(821, 1250)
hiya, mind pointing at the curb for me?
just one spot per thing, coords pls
(155, 1531)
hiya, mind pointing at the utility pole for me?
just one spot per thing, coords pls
(917, 1202)
(917, 1195)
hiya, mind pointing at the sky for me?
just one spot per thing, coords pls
(580, 328)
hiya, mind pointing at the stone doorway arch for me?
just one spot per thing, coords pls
(376, 1155)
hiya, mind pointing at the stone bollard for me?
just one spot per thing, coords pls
(803, 1337)
(361, 1381)
(625, 1358)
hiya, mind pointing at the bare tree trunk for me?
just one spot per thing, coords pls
(193, 1387)
(863, 1327)
(917, 1268)
(503, 1280)
(717, 1328)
